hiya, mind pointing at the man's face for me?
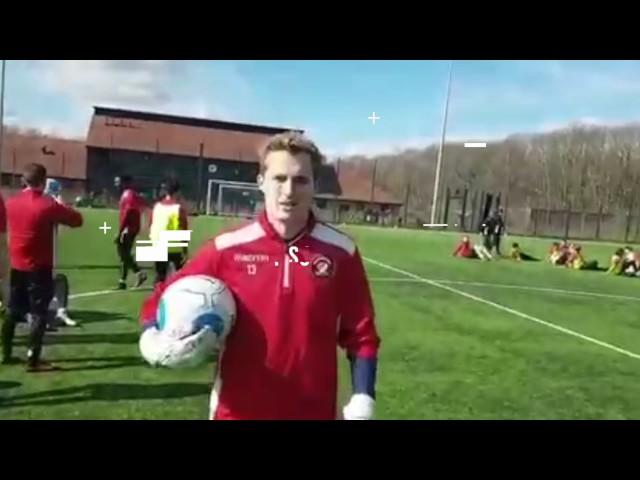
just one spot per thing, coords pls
(287, 185)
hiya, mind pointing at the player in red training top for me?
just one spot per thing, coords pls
(32, 218)
(131, 206)
(4, 257)
(280, 362)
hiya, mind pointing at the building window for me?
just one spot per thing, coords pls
(321, 203)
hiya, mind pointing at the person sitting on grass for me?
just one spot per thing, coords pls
(466, 250)
(617, 261)
(559, 253)
(577, 261)
(628, 261)
(518, 255)
(631, 263)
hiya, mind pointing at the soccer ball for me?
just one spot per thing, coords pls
(195, 314)
(195, 302)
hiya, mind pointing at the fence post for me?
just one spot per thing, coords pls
(463, 213)
(599, 221)
(627, 227)
(567, 221)
(406, 204)
(534, 214)
(445, 217)
(474, 206)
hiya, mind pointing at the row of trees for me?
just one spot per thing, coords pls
(581, 168)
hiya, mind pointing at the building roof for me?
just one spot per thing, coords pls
(355, 187)
(63, 158)
(170, 134)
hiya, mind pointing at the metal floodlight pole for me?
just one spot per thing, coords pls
(2, 76)
(436, 186)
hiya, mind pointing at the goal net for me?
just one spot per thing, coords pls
(233, 198)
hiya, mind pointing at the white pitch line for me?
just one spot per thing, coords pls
(435, 224)
(506, 309)
(515, 287)
(475, 144)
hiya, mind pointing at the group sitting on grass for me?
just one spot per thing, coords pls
(624, 261)
(570, 256)
(577, 261)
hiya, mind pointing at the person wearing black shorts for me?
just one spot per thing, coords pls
(131, 206)
(31, 220)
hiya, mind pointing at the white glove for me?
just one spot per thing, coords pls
(160, 350)
(360, 407)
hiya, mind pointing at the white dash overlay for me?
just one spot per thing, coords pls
(475, 144)
(435, 225)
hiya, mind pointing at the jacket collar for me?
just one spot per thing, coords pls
(271, 233)
(33, 191)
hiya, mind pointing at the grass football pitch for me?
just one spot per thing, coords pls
(461, 339)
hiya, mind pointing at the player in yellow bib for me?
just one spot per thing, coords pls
(169, 214)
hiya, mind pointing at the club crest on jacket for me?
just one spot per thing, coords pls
(322, 266)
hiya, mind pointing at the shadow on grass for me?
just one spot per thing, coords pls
(121, 358)
(7, 385)
(88, 267)
(106, 392)
(108, 363)
(83, 339)
(95, 316)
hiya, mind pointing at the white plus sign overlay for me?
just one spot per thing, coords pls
(373, 118)
(104, 228)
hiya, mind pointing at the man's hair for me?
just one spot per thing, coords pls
(171, 186)
(515, 245)
(619, 251)
(294, 143)
(34, 175)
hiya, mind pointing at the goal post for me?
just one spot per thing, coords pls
(225, 197)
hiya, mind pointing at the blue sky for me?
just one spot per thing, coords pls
(331, 100)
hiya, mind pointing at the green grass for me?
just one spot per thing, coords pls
(443, 356)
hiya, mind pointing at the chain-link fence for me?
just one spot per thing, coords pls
(619, 226)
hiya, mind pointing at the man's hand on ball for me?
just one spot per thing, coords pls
(360, 407)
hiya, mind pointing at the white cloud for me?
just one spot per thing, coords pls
(195, 89)
(118, 83)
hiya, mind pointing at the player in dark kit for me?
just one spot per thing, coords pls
(131, 206)
(487, 230)
(32, 218)
(498, 230)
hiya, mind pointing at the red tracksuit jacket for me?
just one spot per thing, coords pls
(31, 218)
(131, 206)
(280, 360)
